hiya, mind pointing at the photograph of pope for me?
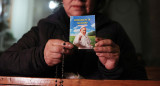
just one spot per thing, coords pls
(81, 40)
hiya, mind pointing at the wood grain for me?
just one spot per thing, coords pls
(74, 82)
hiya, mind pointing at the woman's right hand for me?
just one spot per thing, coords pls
(54, 49)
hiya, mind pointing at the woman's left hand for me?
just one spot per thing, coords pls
(108, 52)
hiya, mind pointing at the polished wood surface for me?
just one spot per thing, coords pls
(74, 82)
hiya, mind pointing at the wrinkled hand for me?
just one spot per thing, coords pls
(53, 51)
(108, 52)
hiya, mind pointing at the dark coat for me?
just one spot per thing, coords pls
(25, 58)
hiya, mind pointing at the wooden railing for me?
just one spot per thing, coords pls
(74, 82)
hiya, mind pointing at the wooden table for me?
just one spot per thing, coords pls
(74, 82)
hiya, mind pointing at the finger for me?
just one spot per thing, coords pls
(67, 51)
(105, 42)
(103, 55)
(68, 45)
(108, 55)
(55, 55)
(99, 39)
(54, 62)
(56, 42)
(107, 49)
(56, 49)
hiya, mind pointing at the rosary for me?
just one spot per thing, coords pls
(62, 69)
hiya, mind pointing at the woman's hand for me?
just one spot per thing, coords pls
(53, 51)
(108, 52)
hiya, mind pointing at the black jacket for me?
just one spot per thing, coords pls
(25, 58)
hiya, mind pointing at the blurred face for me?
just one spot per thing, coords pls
(78, 7)
(83, 31)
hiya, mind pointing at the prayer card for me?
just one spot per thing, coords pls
(82, 31)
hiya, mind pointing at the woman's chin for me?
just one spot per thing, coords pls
(78, 13)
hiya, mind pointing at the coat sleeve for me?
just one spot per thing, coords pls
(25, 57)
(133, 69)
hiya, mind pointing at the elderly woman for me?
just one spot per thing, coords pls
(40, 50)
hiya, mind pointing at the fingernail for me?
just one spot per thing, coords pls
(69, 45)
(97, 54)
(96, 44)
